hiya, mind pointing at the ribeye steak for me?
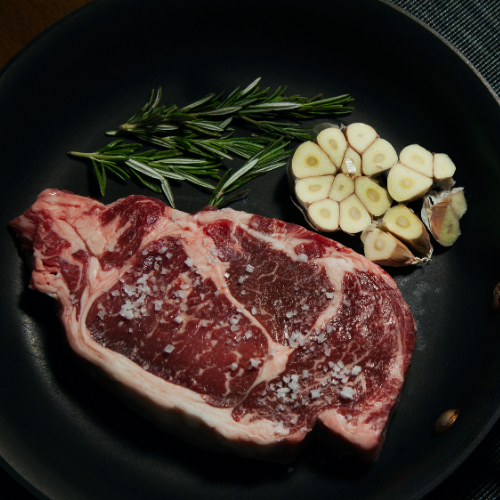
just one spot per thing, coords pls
(238, 332)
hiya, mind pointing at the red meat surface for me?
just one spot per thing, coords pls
(237, 332)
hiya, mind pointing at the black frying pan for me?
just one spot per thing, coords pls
(59, 429)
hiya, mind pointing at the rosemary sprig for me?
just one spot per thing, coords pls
(196, 138)
(124, 161)
(269, 158)
(154, 118)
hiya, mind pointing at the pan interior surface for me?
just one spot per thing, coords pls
(61, 430)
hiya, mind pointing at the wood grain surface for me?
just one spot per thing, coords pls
(23, 20)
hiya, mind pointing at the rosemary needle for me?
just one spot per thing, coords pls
(250, 103)
(271, 157)
(124, 161)
(195, 139)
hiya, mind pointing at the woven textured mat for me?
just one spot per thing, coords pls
(473, 28)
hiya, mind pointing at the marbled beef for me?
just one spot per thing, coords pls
(237, 332)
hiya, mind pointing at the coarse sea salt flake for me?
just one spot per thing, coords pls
(347, 392)
(249, 269)
(189, 262)
(356, 370)
(254, 362)
(169, 348)
(315, 393)
(233, 367)
(302, 257)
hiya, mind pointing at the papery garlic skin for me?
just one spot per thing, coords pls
(351, 164)
(441, 221)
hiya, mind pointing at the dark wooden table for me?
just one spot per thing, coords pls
(23, 20)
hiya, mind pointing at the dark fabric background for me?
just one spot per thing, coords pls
(473, 27)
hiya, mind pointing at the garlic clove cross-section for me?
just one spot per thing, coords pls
(351, 165)
(457, 202)
(311, 189)
(418, 158)
(354, 217)
(324, 215)
(310, 160)
(444, 168)
(360, 136)
(333, 142)
(405, 184)
(374, 197)
(342, 187)
(407, 227)
(378, 158)
(384, 249)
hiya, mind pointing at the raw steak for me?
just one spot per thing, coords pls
(237, 332)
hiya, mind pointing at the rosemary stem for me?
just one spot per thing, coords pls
(97, 156)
